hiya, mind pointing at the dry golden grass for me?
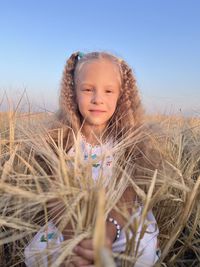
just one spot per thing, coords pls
(27, 186)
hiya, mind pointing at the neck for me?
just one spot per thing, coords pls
(92, 134)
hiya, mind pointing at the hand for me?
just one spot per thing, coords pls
(71, 264)
(85, 253)
(77, 261)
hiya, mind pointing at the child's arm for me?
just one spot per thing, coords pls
(84, 250)
(127, 201)
(56, 209)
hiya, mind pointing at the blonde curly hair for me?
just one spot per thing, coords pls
(126, 123)
(129, 111)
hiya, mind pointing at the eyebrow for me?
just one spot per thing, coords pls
(85, 83)
(107, 86)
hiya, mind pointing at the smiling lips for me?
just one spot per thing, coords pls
(96, 111)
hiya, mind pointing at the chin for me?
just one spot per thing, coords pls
(97, 124)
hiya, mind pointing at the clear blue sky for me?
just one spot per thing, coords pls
(160, 39)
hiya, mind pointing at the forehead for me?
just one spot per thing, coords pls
(99, 70)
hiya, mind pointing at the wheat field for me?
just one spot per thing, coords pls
(27, 187)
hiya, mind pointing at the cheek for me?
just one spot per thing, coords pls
(82, 103)
(113, 104)
(78, 98)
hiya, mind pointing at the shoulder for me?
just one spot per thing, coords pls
(153, 140)
(144, 145)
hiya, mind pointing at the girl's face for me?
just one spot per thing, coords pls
(97, 92)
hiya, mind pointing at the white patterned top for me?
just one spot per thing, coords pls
(94, 153)
(35, 251)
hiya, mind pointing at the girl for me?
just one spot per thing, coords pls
(100, 99)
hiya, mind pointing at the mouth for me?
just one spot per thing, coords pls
(96, 111)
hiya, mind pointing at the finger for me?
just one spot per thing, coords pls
(67, 264)
(83, 266)
(85, 253)
(87, 243)
(79, 261)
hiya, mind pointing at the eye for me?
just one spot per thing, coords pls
(87, 89)
(108, 91)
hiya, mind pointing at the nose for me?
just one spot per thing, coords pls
(97, 98)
